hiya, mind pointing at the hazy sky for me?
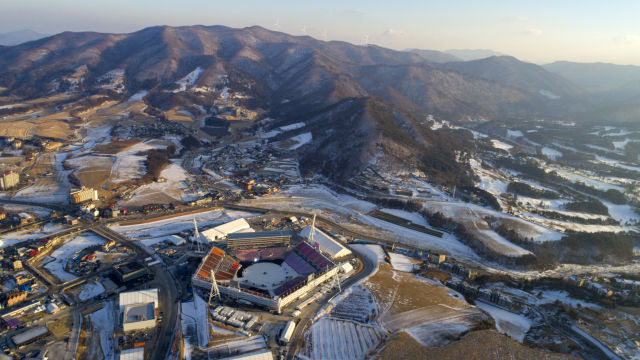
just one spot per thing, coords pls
(539, 31)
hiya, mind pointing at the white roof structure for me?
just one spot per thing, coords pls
(29, 335)
(264, 354)
(139, 297)
(326, 243)
(177, 240)
(221, 231)
(132, 354)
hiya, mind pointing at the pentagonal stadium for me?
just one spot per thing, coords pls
(264, 269)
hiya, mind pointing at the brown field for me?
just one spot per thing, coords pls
(94, 172)
(91, 111)
(52, 126)
(43, 164)
(52, 98)
(435, 274)
(174, 115)
(114, 147)
(398, 292)
(481, 345)
(61, 328)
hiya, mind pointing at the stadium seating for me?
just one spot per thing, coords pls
(299, 265)
(320, 262)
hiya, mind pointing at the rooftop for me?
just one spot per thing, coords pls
(257, 235)
(138, 297)
(141, 312)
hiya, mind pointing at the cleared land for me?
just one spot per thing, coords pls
(481, 345)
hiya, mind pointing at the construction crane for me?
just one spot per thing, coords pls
(312, 231)
(196, 235)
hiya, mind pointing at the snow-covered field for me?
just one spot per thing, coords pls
(189, 80)
(551, 153)
(35, 210)
(501, 145)
(465, 211)
(13, 238)
(401, 262)
(297, 125)
(178, 224)
(158, 192)
(411, 216)
(104, 326)
(448, 243)
(90, 290)
(514, 325)
(300, 140)
(193, 317)
(64, 253)
(138, 96)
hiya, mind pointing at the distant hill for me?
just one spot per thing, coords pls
(434, 55)
(362, 104)
(509, 71)
(473, 54)
(19, 37)
(596, 77)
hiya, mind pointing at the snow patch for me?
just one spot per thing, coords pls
(514, 325)
(501, 145)
(301, 139)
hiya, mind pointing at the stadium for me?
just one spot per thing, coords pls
(265, 269)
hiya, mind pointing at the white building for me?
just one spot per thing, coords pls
(138, 297)
(221, 231)
(138, 309)
(326, 243)
(132, 354)
(264, 354)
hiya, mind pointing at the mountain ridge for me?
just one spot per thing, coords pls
(375, 97)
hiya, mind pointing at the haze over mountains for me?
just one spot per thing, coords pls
(376, 99)
(19, 37)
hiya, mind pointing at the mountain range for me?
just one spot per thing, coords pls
(364, 104)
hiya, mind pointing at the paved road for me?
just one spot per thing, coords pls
(168, 292)
(308, 313)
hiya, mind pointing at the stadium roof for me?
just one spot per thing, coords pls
(223, 230)
(326, 243)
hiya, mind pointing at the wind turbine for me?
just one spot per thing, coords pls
(304, 29)
(276, 25)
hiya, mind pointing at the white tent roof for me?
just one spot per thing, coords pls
(223, 230)
(326, 243)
